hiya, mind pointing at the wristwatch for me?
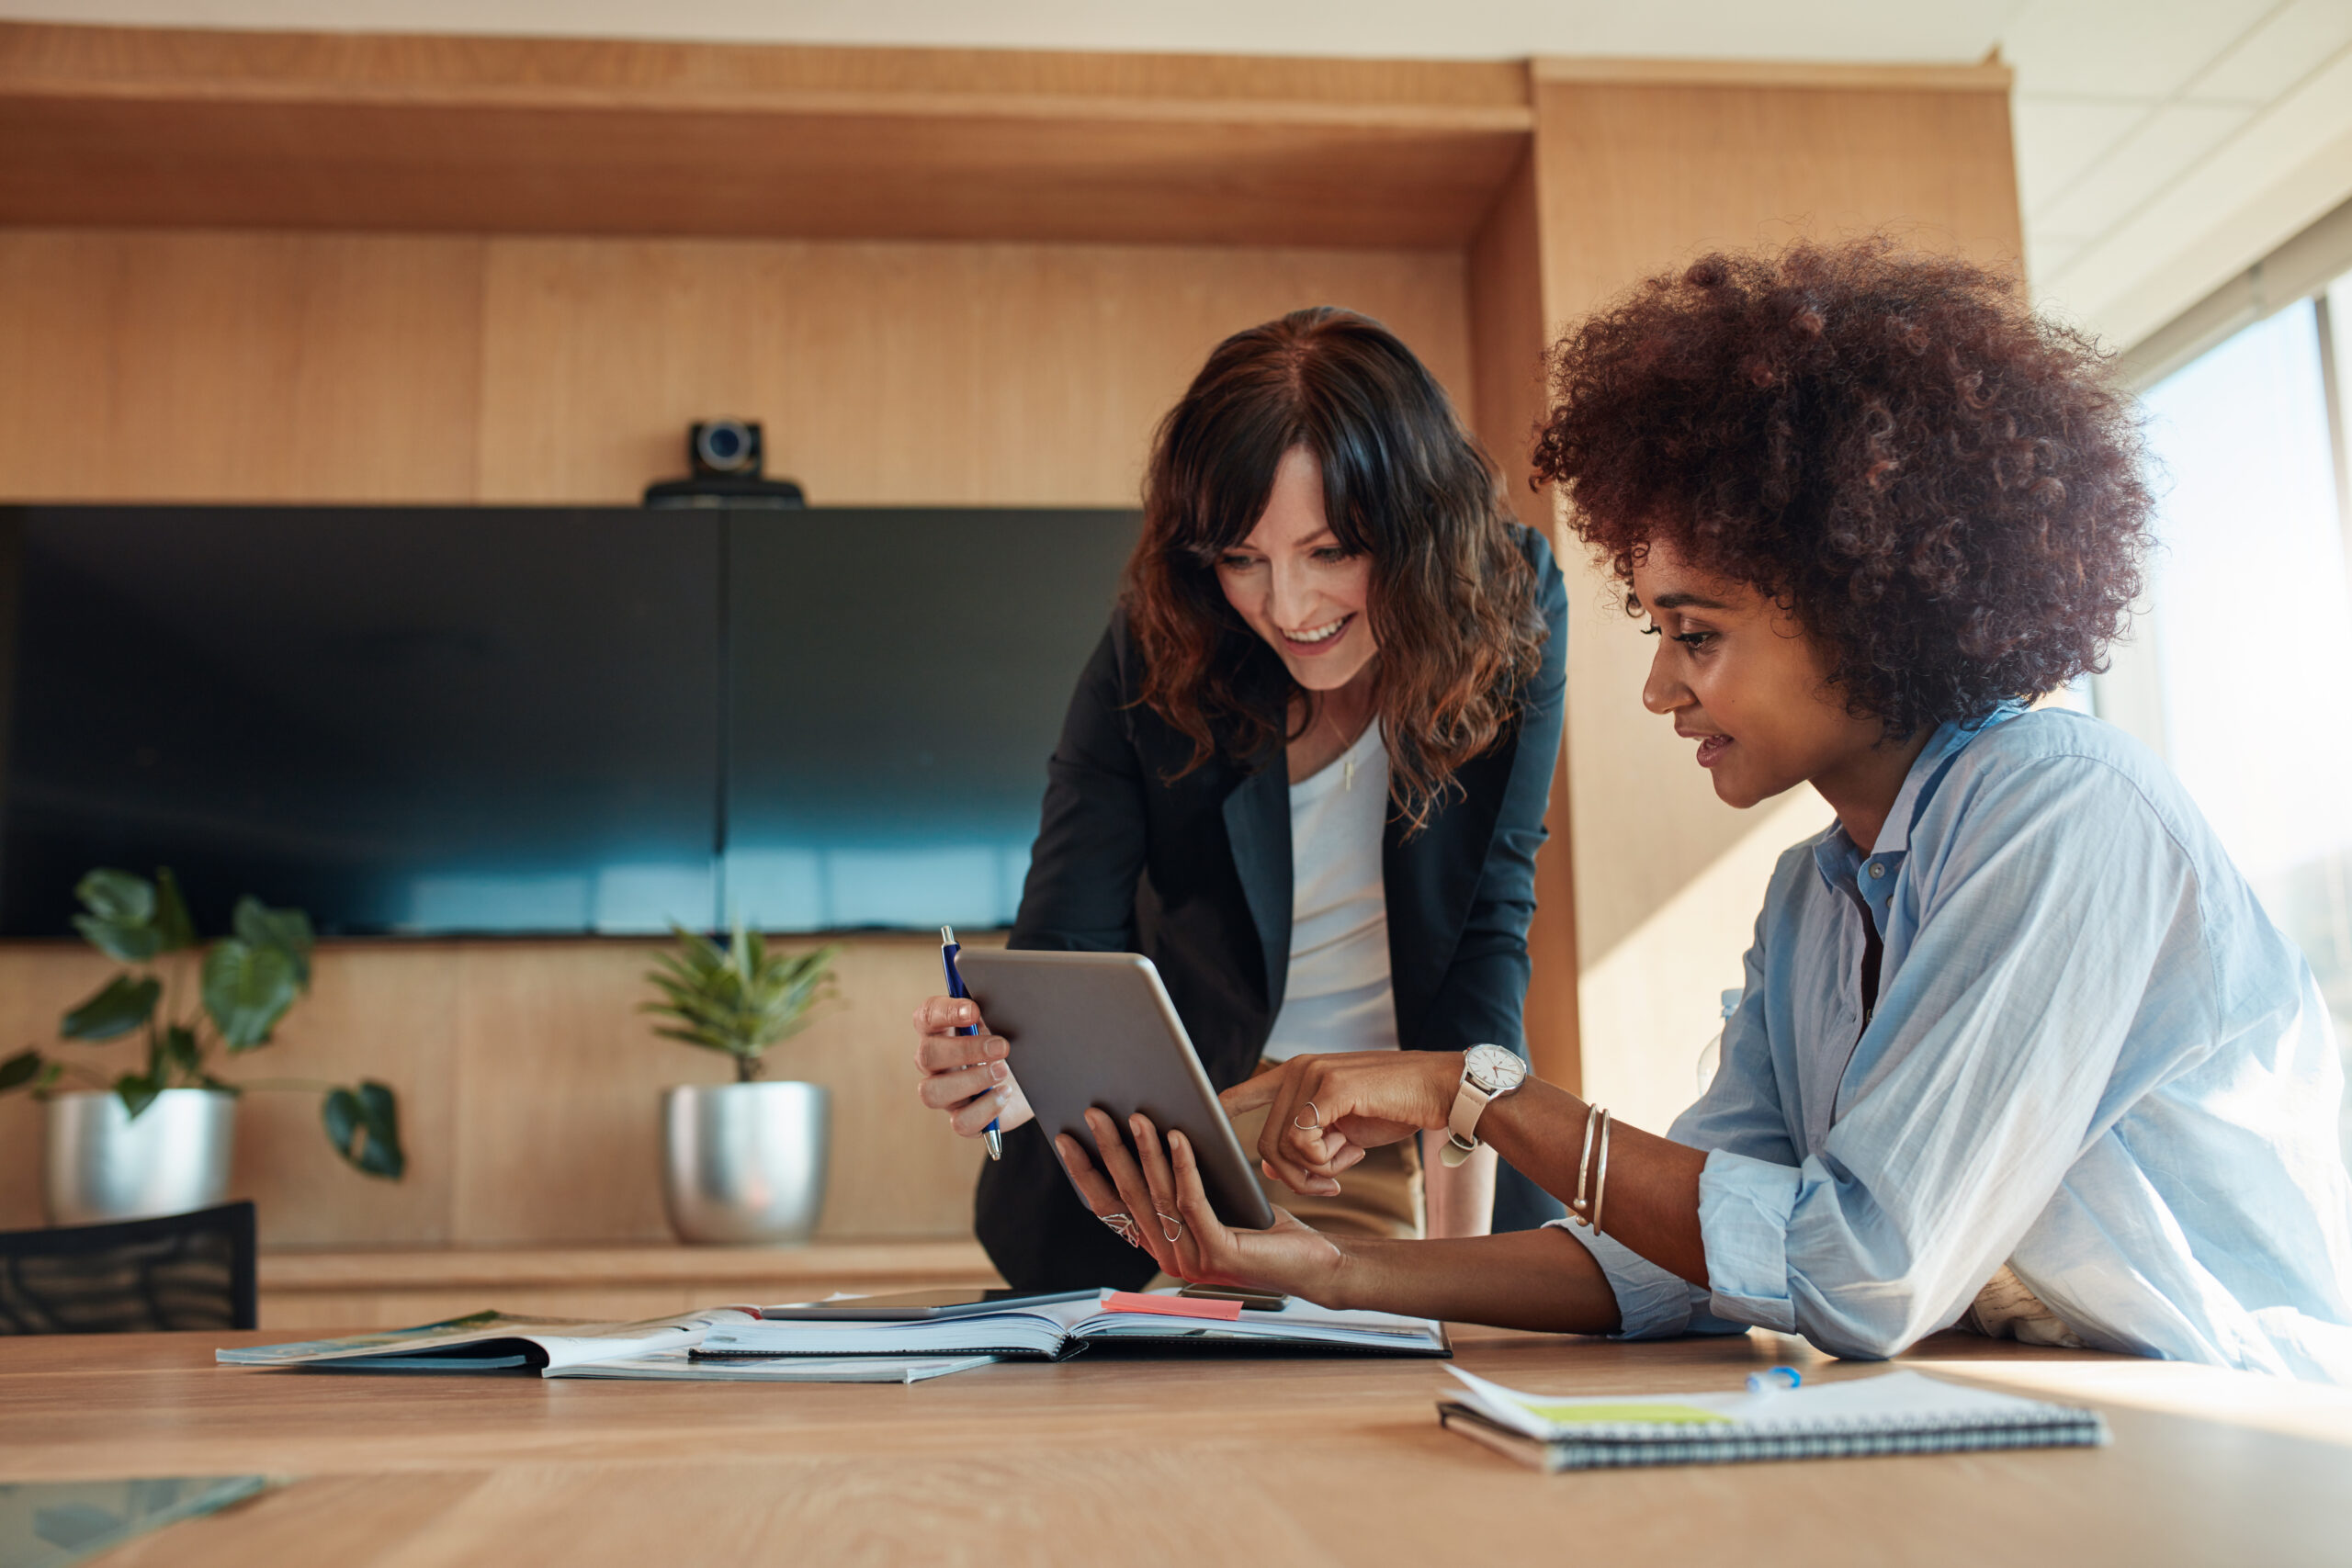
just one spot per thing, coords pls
(1489, 1072)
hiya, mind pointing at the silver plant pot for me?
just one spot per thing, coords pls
(744, 1162)
(104, 1163)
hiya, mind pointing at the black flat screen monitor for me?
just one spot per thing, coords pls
(445, 721)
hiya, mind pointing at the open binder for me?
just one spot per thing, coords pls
(1056, 1331)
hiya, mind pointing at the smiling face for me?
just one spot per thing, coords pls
(1297, 588)
(1740, 676)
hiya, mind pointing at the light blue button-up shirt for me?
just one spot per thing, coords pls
(2093, 1058)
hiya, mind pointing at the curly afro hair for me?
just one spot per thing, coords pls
(1943, 488)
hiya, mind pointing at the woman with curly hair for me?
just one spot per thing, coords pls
(2018, 1050)
(1305, 770)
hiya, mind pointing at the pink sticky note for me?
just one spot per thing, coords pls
(1173, 1306)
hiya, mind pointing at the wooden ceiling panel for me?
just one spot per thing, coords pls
(374, 166)
(116, 127)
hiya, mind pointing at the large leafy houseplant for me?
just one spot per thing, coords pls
(738, 999)
(244, 983)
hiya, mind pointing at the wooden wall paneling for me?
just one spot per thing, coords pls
(379, 1010)
(1507, 330)
(892, 373)
(561, 1078)
(238, 366)
(490, 135)
(1644, 176)
(230, 367)
(529, 1086)
(39, 981)
(382, 1010)
(1634, 179)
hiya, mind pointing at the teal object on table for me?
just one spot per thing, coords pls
(48, 1524)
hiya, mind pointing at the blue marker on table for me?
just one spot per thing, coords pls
(948, 948)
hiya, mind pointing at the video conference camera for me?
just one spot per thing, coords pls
(726, 461)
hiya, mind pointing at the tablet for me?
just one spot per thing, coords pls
(1097, 1030)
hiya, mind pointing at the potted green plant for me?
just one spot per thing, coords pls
(156, 1141)
(743, 1161)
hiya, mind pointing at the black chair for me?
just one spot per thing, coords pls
(192, 1271)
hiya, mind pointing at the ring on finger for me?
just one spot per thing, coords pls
(1314, 1126)
(1123, 1227)
(1166, 1221)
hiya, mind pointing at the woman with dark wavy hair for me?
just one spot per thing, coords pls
(1305, 772)
(2018, 1051)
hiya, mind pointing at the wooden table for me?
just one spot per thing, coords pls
(1101, 1461)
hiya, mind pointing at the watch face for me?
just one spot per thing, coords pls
(1492, 1068)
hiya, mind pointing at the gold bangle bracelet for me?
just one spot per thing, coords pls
(1600, 1182)
(1579, 1211)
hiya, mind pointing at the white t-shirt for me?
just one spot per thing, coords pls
(1338, 996)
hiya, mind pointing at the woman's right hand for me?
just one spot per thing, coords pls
(1153, 1196)
(1324, 1111)
(966, 1075)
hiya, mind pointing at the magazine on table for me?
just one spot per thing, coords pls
(492, 1341)
(1056, 1330)
(683, 1365)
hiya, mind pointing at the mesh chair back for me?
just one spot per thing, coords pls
(179, 1272)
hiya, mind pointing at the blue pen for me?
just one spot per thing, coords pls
(948, 948)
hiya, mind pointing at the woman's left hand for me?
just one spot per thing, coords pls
(1156, 1193)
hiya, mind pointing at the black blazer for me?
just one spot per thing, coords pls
(1195, 873)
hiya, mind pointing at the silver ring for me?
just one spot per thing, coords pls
(1165, 1220)
(1316, 1126)
(1123, 1227)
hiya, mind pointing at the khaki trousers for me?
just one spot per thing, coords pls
(1380, 1197)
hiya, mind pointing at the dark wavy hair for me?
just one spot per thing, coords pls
(1944, 489)
(1453, 602)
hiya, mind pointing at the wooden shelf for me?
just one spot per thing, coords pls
(1620, 72)
(143, 127)
(390, 1287)
(880, 1261)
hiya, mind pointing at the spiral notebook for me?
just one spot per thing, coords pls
(1894, 1413)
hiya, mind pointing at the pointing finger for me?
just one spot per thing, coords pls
(1252, 1092)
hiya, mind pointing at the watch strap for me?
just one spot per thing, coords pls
(1462, 1126)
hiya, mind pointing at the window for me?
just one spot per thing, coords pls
(2241, 671)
